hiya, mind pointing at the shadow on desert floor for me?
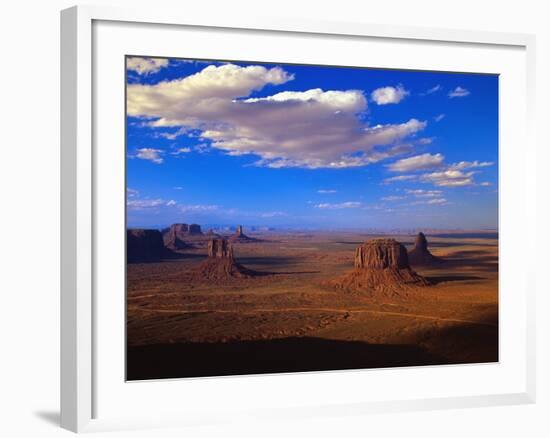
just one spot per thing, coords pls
(292, 354)
(436, 279)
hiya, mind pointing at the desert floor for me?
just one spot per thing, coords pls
(291, 319)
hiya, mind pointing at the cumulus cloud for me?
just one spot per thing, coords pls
(310, 129)
(351, 99)
(339, 206)
(418, 162)
(144, 66)
(387, 95)
(439, 117)
(326, 191)
(453, 175)
(150, 154)
(459, 92)
(450, 178)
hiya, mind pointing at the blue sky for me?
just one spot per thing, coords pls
(309, 146)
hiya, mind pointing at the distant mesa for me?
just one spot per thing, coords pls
(240, 237)
(210, 233)
(221, 264)
(177, 236)
(381, 266)
(420, 255)
(194, 230)
(144, 246)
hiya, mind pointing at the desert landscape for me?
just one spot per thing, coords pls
(285, 217)
(212, 305)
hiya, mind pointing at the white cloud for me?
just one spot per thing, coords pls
(420, 193)
(437, 201)
(439, 117)
(182, 102)
(338, 99)
(392, 198)
(179, 151)
(434, 201)
(143, 204)
(145, 65)
(425, 140)
(326, 191)
(400, 178)
(131, 193)
(197, 208)
(419, 162)
(342, 205)
(178, 188)
(485, 184)
(150, 154)
(270, 214)
(470, 164)
(459, 92)
(387, 95)
(158, 204)
(452, 175)
(434, 89)
(175, 135)
(449, 178)
(309, 129)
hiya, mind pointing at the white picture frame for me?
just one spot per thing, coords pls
(79, 367)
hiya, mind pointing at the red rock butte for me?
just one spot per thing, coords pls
(381, 254)
(220, 248)
(240, 237)
(182, 236)
(144, 245)
(381, 265)
(220, 264)
(174, 237)
(420, 255)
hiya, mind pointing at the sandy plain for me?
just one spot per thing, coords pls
(289, 318)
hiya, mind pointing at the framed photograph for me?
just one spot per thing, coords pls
(333, 211)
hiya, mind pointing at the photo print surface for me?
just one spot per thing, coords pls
(293, 218)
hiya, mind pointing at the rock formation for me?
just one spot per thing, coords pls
(240, 237)
(195, 229)
(381, 266)
(144, 245)
(175, 235)
(420, 255)
(220, 248)
(182, 236)
(220, 264)
(211, 234)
